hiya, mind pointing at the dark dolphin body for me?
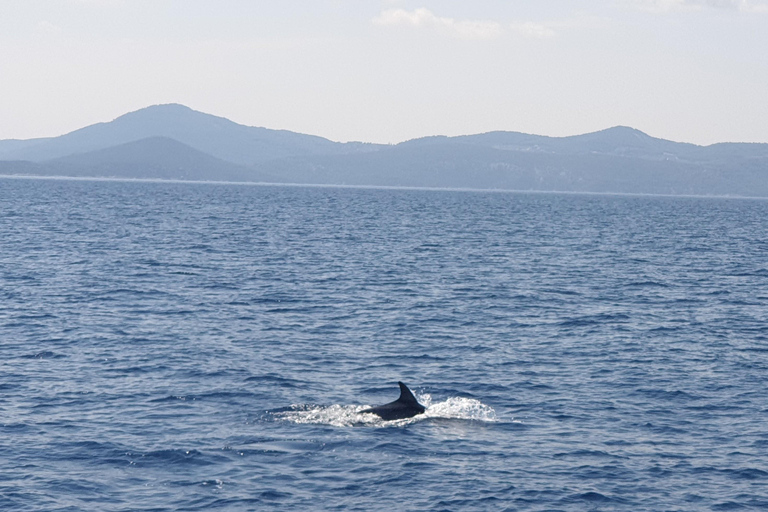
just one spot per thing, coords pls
(404, 407)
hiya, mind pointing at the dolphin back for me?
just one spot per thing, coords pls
(406, 397)
(404, 407)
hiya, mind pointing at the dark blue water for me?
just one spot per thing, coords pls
(171, 346)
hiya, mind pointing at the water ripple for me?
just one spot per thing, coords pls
(574, 352)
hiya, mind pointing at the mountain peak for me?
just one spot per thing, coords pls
(217, 136)
(165, 111)
(618, 132)
(166, 107)
(623, 128)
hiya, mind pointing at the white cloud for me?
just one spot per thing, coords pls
(741, 5)
(534, 30)
(758, 6)
(424, 18)
(662, 6)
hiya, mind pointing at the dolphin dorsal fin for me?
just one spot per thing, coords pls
(406, 396)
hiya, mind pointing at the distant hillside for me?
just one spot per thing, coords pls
(616, 141)
(153, 157)
(175, 142)
(214, 135)
(9, 147)
(457, 165)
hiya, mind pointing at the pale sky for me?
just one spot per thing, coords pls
(391, 70)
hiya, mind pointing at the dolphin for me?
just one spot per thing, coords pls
(404, 407)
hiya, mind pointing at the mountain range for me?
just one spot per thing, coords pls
(175, 142)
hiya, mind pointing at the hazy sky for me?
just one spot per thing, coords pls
(391, 70)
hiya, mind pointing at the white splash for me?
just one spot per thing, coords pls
(458, 408)
(335, 415)
(349, 415)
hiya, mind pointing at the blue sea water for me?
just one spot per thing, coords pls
(178, 346)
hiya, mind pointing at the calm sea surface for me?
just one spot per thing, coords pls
(176, 346)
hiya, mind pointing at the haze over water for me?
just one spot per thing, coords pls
(176, 346)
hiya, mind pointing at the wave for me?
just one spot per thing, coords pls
(454, 408)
